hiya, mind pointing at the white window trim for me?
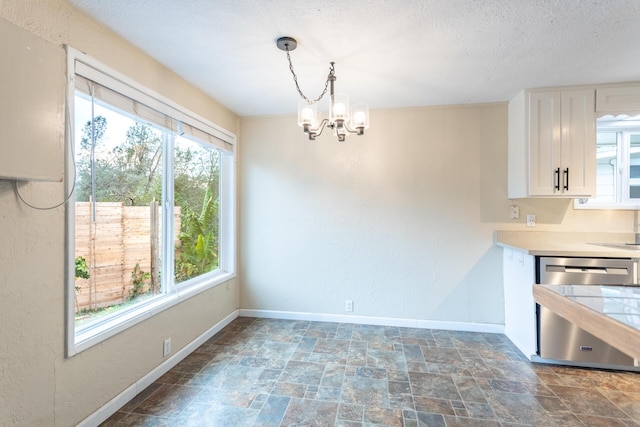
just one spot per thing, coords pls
(103, 330)
(626, 203)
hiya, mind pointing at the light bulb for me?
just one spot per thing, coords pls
(307, 115)
(359, 118)
(338, 110)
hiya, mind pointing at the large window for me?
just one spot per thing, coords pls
(152, 219)
(618, 164)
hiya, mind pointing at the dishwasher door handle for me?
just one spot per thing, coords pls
(587, 271)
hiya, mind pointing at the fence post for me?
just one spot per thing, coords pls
(93, 284)
(123, 248)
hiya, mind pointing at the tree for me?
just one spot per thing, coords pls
(88, 146)
(128, 173)
(196, 169)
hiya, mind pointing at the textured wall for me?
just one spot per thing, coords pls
(38, 386)
(399, 220)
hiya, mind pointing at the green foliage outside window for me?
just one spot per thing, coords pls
(139, 279)
(130, 172)
(82, 270)
(198, 250)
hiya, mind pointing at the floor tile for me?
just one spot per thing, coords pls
(518, 408)
(365, 391)
(236, 377)
(273, 372)
(433, 385)
(303, 373)
(586, 401)
(168, 400)
(382, 416)
(202, 414)
(272, 412)
(303, 412)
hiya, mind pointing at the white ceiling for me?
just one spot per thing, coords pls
(388, 53)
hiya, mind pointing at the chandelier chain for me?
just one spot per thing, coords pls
(295, 79)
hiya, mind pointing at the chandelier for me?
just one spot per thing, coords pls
(342, 119)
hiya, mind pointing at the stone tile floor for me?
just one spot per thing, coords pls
(266, 372)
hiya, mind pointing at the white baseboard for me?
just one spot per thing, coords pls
(380, 321)
(132, 391)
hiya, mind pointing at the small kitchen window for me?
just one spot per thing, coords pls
(618, 165)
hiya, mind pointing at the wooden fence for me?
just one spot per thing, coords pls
(120, 238)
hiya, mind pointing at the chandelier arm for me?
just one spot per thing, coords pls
(313, 133)
(295, 79)
(346, 126)
(358, 130)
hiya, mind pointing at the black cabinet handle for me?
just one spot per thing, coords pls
(556, 179)
(565, 179)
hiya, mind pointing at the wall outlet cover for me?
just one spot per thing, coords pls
(531, 220)
(514, 212)
(166, 347)
(348, 306)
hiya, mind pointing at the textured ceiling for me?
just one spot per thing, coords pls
(388, 53)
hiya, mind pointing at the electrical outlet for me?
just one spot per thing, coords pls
(531, 220)
(514, 212)
(348, 306)
(166, 347)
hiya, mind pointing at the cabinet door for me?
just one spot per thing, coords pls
(578, 165)
(544, 143)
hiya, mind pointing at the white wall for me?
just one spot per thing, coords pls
(38, 385)
(399, 220)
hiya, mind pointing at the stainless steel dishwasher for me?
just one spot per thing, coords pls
(559, 339)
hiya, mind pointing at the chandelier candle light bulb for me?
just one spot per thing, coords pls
(307, 114)
(360, 117)
(339, 110)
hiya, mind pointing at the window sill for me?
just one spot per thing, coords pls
(102, 330)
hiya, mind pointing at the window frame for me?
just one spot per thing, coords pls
(172, 293)
(623, 162)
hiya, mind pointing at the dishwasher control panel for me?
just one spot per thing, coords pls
(587, 271)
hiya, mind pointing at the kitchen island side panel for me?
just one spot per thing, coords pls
(519, 305)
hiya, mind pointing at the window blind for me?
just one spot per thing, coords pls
(130, 100)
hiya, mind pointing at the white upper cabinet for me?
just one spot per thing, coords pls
(552, 145)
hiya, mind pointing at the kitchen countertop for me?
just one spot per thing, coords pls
(611, 313)
(550, 243)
